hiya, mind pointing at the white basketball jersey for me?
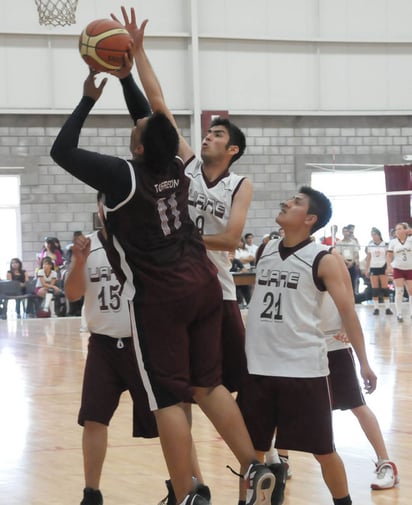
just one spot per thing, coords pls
(283, 331)
(402, 253)
(378, 254)
(105, 309)
(209, 208)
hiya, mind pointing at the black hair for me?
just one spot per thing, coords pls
(320, 205)
(377, 231)
(51, 242)
(48, 260)
(17, 260)
(160, 141)
(236, 136)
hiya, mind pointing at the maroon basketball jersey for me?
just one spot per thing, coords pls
(153, 245)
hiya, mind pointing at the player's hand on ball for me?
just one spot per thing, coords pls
(125, 70)
(90, 89)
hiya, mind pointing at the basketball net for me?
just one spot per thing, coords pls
(56, 12)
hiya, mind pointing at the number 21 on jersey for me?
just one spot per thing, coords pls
(273, 307)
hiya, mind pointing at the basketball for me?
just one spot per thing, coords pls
(103, 44)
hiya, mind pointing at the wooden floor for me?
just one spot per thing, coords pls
(41, 365)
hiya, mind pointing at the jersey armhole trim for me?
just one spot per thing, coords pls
(131, 193)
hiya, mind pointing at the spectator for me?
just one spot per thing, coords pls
(46, 283)
(243, 255)
(17, 273)
(51, 250)
(68, 248)
(250, 246)
(399, 258)
(243, 293)
(351, 229)
(348, 248)
(376, 271)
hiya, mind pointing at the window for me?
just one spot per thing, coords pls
(10, 224)
(358, 197)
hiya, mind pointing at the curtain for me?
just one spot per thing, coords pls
(398, 178)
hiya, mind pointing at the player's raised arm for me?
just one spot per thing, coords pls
(75, 282)
(148, 77)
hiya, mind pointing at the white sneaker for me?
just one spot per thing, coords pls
(386, 475)
(288, 468)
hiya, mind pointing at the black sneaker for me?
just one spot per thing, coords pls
(376, 312)
(204, 491)
(388, 312)
(170, 498)
(280, 472)
(260, 483)
(92, 497)
(194, 498)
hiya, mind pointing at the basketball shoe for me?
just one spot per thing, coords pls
(285, 460)
(91, 497)
(170, 498)
(386, 475)
(279, 470)
(194, 498)
(260, 483)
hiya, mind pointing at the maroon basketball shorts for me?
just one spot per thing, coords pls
(110, 370)
(178, 344)
(344, 385)
(234, 366)
(402, 274)
(298, 409)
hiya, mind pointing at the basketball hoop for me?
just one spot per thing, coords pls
(56, 12)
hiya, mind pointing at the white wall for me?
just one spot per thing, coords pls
(263, 57)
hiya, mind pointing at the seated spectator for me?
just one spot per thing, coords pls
(68, 248)
(348, 248)
(251, 247)
(243, 293)
(51, 249)
(243, 255)
(17, 273)
(237, 265)
(46, 282)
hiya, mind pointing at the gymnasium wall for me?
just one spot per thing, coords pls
(307, 80)
(54, 203)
